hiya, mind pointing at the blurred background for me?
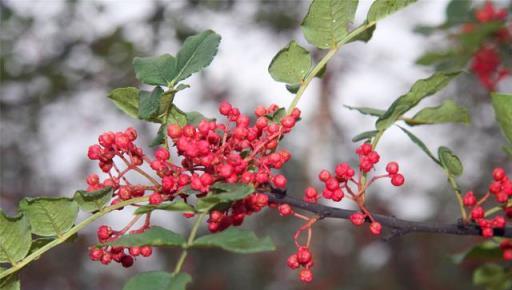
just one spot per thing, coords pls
(60, 59)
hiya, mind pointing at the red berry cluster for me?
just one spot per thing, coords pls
(343, 182)
(501, 189)
(487, 64)
(302, 258)
(230, 152)
(122, 255)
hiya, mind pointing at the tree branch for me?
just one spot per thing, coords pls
(398, 227)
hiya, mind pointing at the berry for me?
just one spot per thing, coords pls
(134, 251)
(392, 167)
(95, 254)
(285, 209)
(146, 251)
(304, 256)
(155, 198)
(375, 228)
(104, 232)
(397, 179)
(292, 262)
(127, 261)
(477, 213)
(279, 181)
(498, 174)
(357, 218)
(162, 154)
(324, 175)
(469, 199)
(306, 276)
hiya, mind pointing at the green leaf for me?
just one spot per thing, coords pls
(364, 35)
(277, 115)
(450, 161)
(197, 53)
(447, 112)
(237, 241)
(508, 150)
(15, 238)
(434, 57)
(367, 111)
(160, 136)
(502, 104)
(158, 70)
(39, 243)
(222, 193)
(365, 135)
(291, 64)
(126, 99)
(11, 282)
(178, 205)
(473, 40)
(293, 88)
(194, 118)
(493, 277)
(176, 116)
(154, 236)
(50, 216)
(420, 90)
(149, 103)
(485, 251)
(383, 8)
(457, 12)
(94, 200)
(327, 22)
(158, 281)
(420, 144)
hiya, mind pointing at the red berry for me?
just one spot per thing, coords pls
(127, 261)
(95, 254)
(93, 179)
(304, 256)
(365, 149)
(162, 154)
(279, 181)
(134, 251)
(292, 262)
(155, 198)
(357, 218)
(397, 179)
(495, 187)
(306, 276)
(225, 108)
(104, 232)
(375, 228)
(477, 213)
(260, 111)
(146, 251)
(285, 209)
(507, 255)
(106, 259)
(216, 216)
(469, 199)
(392, 167)
(288, 122)
(324, 175)
(487, 232)
(174, 131)
(498, 174)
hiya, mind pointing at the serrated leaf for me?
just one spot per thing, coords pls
(383, 8)
(94, 200)
(327, 21)
(179, 206)
(450, 161)
(149, 103)
(485, 251)
(154, 236)
(447, 112)
(126, 99)
(420, 144)
(158, 281)
(50, 216)
(291, 64)
(11, 282)
(502, 104)
(223, 192)
(197, 53)
(365, 135)
(493, 277)
(237, 241)
(158, 70)
(367, 111)
(194, 118)
(420, 90)
(15, 238)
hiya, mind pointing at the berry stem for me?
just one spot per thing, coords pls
(190, 241)
(458, 195)
(141, 172)
(36, 254)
